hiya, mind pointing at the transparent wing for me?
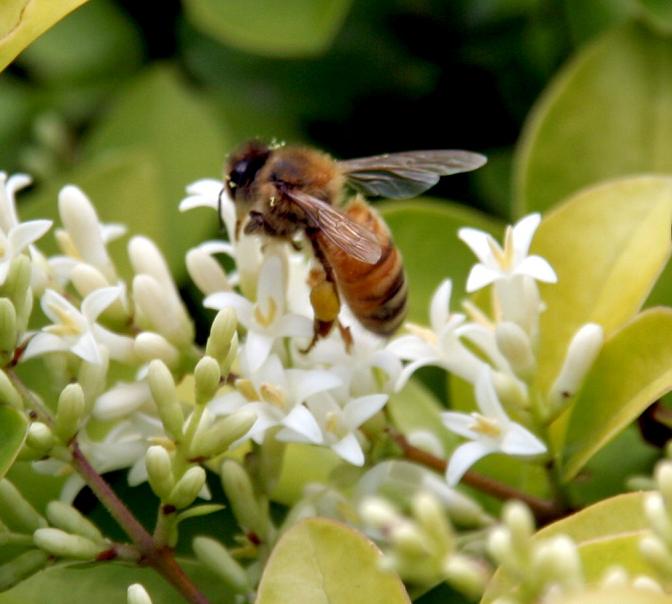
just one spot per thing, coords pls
(406, 174)
(351, 237)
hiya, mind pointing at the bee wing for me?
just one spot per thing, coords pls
(346, 234)
(407, 174)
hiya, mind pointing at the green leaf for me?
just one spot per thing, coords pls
(107, 582)
(13, 429)
(607, 114)
(322, 561)
(158, 115)
(425, 231)
(606, 534)
(633, 369)
(658, 13)
(292, 28)
(200, 510)
(607, 245)
(21, 21)
(587, 19)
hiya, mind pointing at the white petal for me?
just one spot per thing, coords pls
(411, 348)
(26, 233)
(361, 409)
(241, 305)
(464, 457)
(207, 187)
(198, 201)
(121, 348)
(349, 449)
(294, 326)
(256, 349)
(121, 400)
(307, 383)
(87, 348)
(479, 242)
(138, 473)
(411, 368)
(226, 404)
(217, 247)
(52, 300)
(271, 284)
(459, 423)
(61, 267)
(538, 268)
(4, 270)
(302, 421)
(73, 485)
(42, 343)
(439, 309)
(486, 397)
(480, 276)
(97, 301)
(111, 231)
(520, 441)
(523, 232)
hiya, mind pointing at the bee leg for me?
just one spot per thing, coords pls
(325, 302)
(346, 336)
(321, 329)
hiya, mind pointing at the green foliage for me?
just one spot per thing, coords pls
(13, 428)
(321, 560)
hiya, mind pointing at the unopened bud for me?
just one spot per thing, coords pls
(63, 545)
(221, 333)
(217, 558)
(614, 576)
(87, 279)
(147, 259)
(16, 512)
(244, 503)
(136, 594)
(92, 377)
(164, 393)
(427, 441)
(206, 376)
(8, 327)
(21, 567)
(379, 513)
(567, 562)
(465, 574)
(222, 434)
(409, 540)
(65, 517)
(655, 552)
(8, 394)
(510, 390)
(206, 272)
(431, 517)
(18, 281)
(40, 437)
(149, 346)
(71, 407)
(187, 487)
(159, 471)
(515, 345)
(520, 523)
(663, 477)
(656, 514)
(581, 354)
(648, 584)
(499, 545)
(231, 357)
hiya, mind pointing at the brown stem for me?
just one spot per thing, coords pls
(160, 559)
(544, 511)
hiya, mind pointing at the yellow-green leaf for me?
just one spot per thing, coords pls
(21, 21)
(607, 245)
(633, 370)
(607, 114)
(13, 427)
(324, 562)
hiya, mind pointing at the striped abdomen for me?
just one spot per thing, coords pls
(376, 293)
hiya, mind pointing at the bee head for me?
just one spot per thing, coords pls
(244, 165)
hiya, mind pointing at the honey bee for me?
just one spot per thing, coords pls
(284, 191)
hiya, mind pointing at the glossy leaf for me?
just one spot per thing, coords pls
(21, 21)
(607, 114)
(658, 13)
(607, 245)
(606, 534)
(158, 115)
(288, 29)
(425, 231)
(633, 370)
(320, 561)
(107, 582)
(13, 428)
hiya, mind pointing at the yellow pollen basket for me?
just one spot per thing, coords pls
(485, 425)
(266, 319)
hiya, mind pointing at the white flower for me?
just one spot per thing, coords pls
(338, 425)
(17, 240)
(267, 319)
(497, 263)
(77, 331)
(440, 345)
(490, 431)
(276, 395)
(206, 272)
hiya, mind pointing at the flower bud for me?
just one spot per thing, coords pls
(499, 545)
(18, 281)
(87, 279)
(465, 574)
(206, 376)
(581, 354)
(136, 594)
(40, 438)
(432, 519)
(222, 331)
(520, 523)
(647, 583)
(149, 346)
(567, 562)
(65, 517)
(63, 545)
(21, 567)
(409, 540)
(245, 505)
(8, 394)
(159, 471)
(206, 272)
(515, 345)
(663, 475)
(16, 512)
(655, 552)
(228, 362)
(187, 487)
(656, 514)
(8, 327)
(71, 407)
(217, 558)
(427, 441)
(164, 394)
(222, 434)
(510, 390)
(379, 513)
(147, 259)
